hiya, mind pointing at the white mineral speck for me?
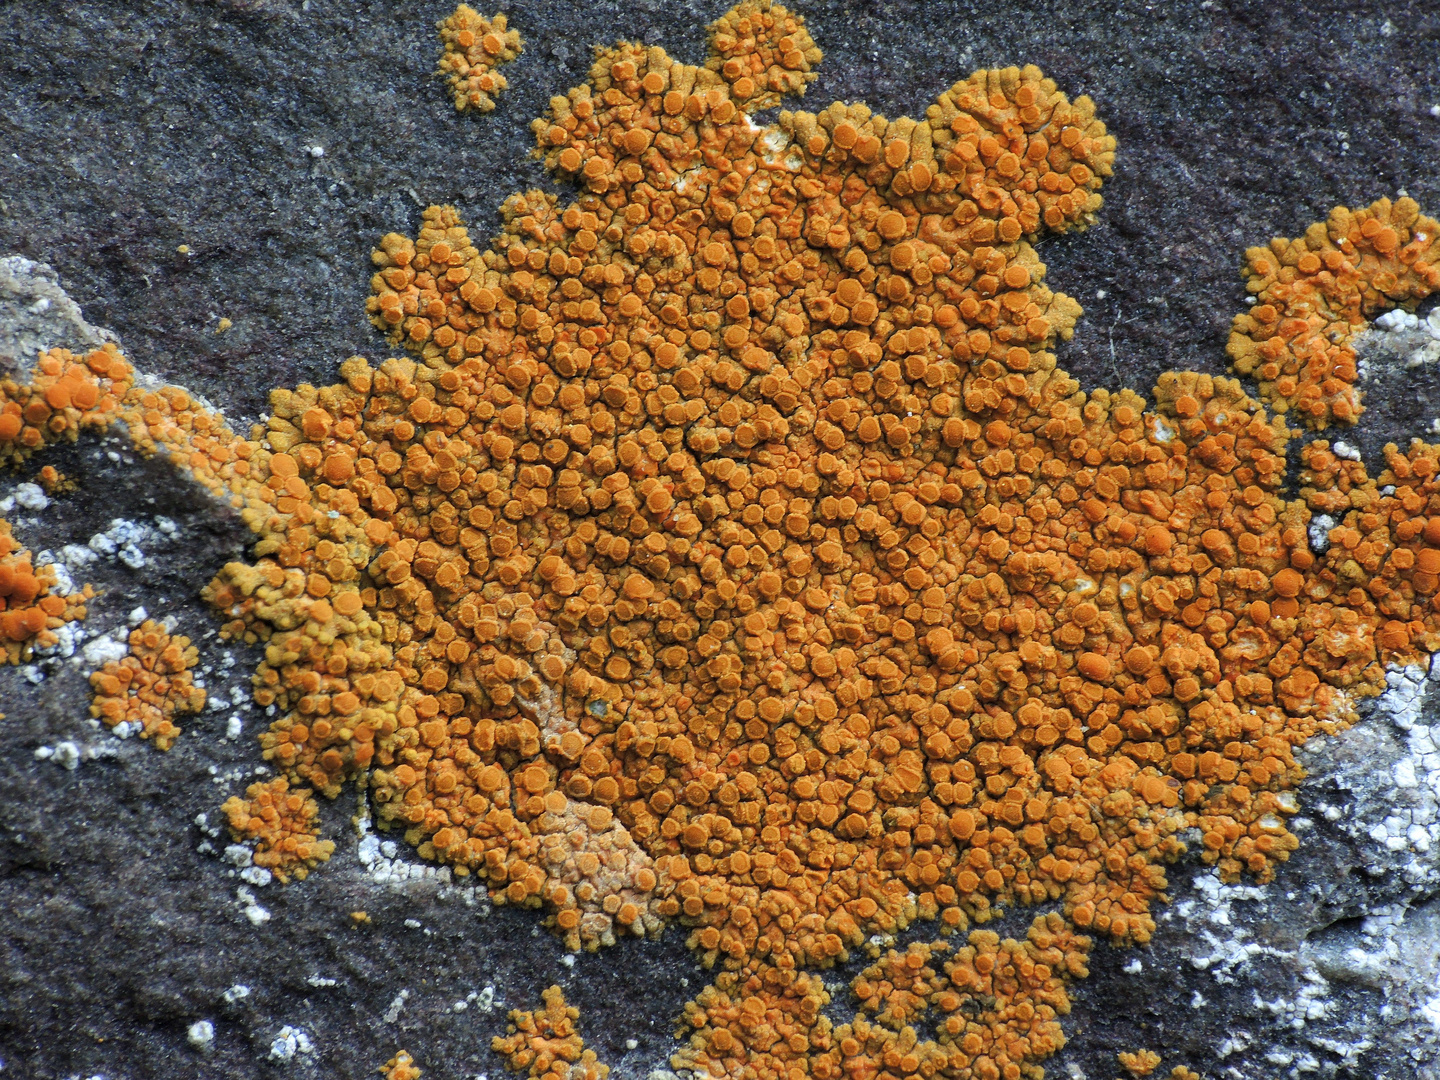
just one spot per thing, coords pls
(393, 1012)
(67, 754)
(201, 1034)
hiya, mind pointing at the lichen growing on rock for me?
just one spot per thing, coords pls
(763, 52)
(30, 611)
(64, 395)
(149, 686)
(731, 550)
(400, 1067)
(1314, 294)
(994, 1010)
(546, 1044)
(473, 48)
(1139, 1062)
(282, 825)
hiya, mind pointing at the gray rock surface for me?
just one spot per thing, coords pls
(128, 132)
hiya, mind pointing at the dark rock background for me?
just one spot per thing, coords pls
(129, 130)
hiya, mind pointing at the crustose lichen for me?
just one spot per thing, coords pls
(731, 550)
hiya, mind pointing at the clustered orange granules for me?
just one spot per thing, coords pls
(732, 551)
(400, 1067)
(65, 394)
(282, 823)
(762, 52)
(1139, 1062)
(29, 611)
(149, 686)
(993, 1009)
(474, 47)
(547, 1044)
(53, 480)
(1315, 294)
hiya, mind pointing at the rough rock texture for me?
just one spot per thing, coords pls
(275, 141)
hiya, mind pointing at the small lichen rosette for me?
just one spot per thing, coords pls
(473, 47)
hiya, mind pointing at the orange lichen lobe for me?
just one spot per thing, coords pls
(546, 1044)
(149, 686)
(1314, 294)
(1139, 1062)
(400, 1067)
(763, 52)
(281, 821)
(474, 47)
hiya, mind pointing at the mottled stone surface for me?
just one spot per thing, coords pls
(276, 140)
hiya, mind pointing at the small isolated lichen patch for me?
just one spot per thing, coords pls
(547, 1044)
(281, 823)
(149, 686)
(400, 1067)
(474, 47)
(1139, 1062)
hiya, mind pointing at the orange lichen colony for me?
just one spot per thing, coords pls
(1315, 294)
(733, 551)
(400, 1067)
(149, 686)
(283, 825)
(547, 1045)
(64, 394)
(473, 48)
(993, 1006)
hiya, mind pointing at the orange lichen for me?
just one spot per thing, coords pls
(282, 823)
(732, 551)
(993, 1008)
(1313, 295)
(400, 1067)
(763, 52)
(149, 686)
(474, 47)
(54, 481)
(547, 1044)
(29, 611)
(1139, 1062)
(64, 395)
